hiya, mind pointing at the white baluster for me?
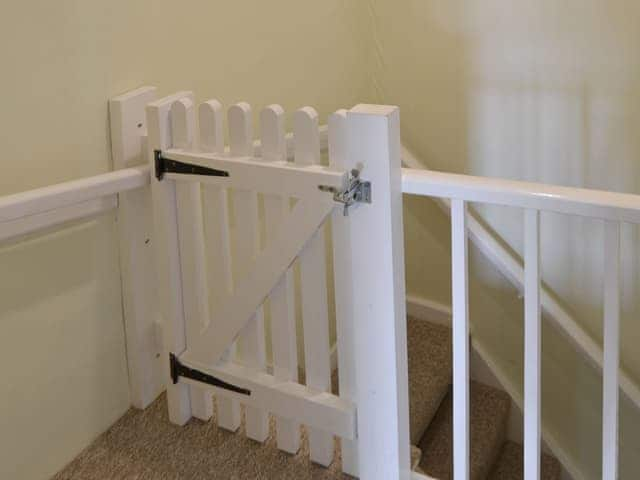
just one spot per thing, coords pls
(460, 280)
(611, 351)
(532, 345)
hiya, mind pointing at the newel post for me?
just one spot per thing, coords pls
(379, 312)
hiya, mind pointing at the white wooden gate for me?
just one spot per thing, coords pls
(241, 237)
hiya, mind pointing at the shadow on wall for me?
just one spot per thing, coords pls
(533, 90)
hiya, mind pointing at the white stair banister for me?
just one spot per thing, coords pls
(532, 344)
(379, 312)
(460, 304)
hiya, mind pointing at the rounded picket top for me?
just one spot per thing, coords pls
(272, 132)
(240, 130)
(211, 126)
(306, 136)
(182, 123)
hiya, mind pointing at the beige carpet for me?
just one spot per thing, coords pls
(143, 445)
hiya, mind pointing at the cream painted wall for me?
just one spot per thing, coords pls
(62, 355)
(533, 89)
(538, 90)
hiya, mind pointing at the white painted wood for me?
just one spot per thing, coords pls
(532, 345)
(13, 229)
(47, 199)
(191, 243)
(250, 292)
(167, 256)
(324, 143)
(611, 342)
(343, 285)
(210, 127)
(379, 314)
(511, 267)
(282, 307)
(248, 173)
(216, 225)
(135, 225)
(460, 337)
(321, 410)
(313, 289)
(622, 207)
(252, 340)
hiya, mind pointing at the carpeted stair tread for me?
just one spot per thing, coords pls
(429, 352)
(489, 410)
(510, 467)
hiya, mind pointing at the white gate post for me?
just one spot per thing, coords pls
(128, 144)
(379, 311)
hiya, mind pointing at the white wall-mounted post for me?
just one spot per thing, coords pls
(379, 313)
(128, 137)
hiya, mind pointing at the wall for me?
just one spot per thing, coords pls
(537, 90)
(62, 355)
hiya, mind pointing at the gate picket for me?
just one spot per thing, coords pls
(216, 227)
(167, 256)
(313, 278)
(252, 341)
(191, 244)
(283, 322)
(343, 282)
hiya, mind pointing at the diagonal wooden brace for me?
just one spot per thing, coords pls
(237, 308)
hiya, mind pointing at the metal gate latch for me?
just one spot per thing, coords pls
(356, 192)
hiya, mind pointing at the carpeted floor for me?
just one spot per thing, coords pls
(143, 445)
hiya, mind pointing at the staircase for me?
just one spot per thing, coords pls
(492, 456)
(144, 445)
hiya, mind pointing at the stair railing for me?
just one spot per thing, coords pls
(511, 267)
(613, 208)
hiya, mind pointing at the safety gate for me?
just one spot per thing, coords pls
(257, 240)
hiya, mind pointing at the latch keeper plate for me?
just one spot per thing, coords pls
(357, 191)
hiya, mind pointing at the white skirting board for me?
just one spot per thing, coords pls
(485, 370)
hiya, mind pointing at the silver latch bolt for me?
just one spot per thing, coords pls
(357, 191)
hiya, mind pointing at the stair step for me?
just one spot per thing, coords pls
(430, 366)
(510, 467)
(489, 410)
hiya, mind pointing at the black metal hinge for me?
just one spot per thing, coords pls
(179, 370)
(166, 165)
